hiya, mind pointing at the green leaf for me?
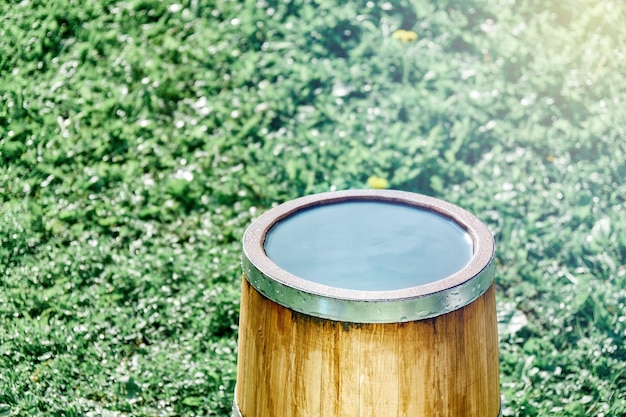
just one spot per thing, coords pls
(291, 169)
(193, 401)
(437, 184)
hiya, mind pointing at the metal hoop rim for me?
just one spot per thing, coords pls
(237, 413)
(413, 303)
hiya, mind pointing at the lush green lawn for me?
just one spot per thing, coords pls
(139, 138)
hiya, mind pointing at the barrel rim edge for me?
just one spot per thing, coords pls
(254, 237)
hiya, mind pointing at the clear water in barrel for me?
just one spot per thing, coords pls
(367, 245)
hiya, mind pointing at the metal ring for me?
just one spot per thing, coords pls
(237, 413)
(340, 304)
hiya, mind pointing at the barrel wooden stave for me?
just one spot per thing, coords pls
(295, 365)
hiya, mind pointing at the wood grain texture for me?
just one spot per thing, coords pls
(294, 365)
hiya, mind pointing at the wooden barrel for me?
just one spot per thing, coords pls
(324, 336)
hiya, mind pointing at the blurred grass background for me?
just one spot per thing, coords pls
(139, 138)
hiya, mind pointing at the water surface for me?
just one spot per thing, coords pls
(368, 245)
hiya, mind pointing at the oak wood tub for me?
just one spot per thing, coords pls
(368, 345)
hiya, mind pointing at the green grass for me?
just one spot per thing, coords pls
(138, 139)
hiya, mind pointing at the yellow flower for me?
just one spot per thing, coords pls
(377, 182)
(404, 35)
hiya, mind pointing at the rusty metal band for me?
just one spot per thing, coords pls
(356, 306)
